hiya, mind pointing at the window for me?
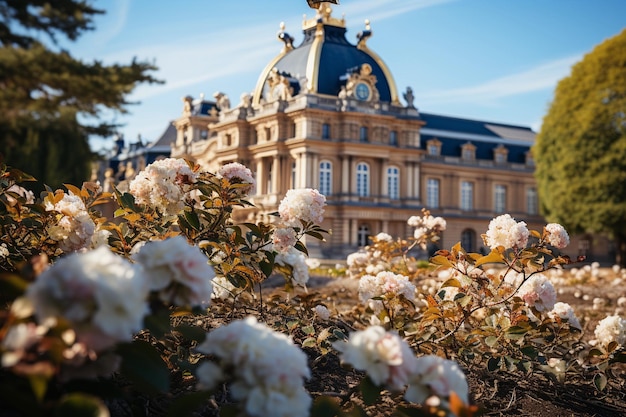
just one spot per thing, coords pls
(204, 134)
(326, 178)
(393, 182)
(363, 134)
(500, 154)
(530, 161)
(468, 240)
(532, 203)
(325, 131)
(393, 138)
(432, 193)
(467, 196)
(499, 198)
(268, 134)
(269, 180)
(362, 180)
(228, 139)
(363, 235)
(468, 152)
(433, 147)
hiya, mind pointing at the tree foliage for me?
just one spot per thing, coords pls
(580, 152)
(50, 102)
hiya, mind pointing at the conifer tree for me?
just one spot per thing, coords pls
(47, 95)
(580, 152)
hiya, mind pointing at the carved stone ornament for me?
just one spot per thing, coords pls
(362, 85)
(279, 87)
(315, 4)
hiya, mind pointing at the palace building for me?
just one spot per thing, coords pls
(327, 114)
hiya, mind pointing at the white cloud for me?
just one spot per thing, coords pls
(377, 10)
(542, 77)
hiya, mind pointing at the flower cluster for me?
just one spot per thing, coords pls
(178, 271)
(302, 205)
(297, 261)
(556, 235)
(436, 376)
(565, 313)
(538, 292)
(74, 227)
(103, 296)
(266, 367)
(237, 173)
(387, 359)
(426, 227)
(505, 231)
(284, 238)
(386, 285)
(163, 184)
(611, 329)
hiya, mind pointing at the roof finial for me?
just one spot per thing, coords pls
(285, 37)
(363, 36)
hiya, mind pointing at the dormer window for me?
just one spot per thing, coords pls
(530, 161)
(433, 147)
(468, 152)
(500, 154)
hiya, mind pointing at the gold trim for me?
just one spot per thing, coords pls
(256, 99)
(392, 83)
(313, 60)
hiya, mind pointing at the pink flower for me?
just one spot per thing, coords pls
(284, 238)
(538, 292)
(303, 204)
(556, 235)
(436, 376)
(237, 173)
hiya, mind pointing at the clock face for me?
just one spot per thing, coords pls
(362, 91)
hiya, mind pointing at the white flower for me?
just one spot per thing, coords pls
(322, 312)
(4, 250)
(436, 376)
(268, 369)
(537, 291)
(385, 284)
(297, 260)
(180, 272)
(17, 340)
(74, 228)
(102, 295)
(237, 173)
(284, 238)
(27, 195)
(222, 288)
(565, 312)
(383, 237)
(505, 231)
(303, 204)
(556, 235)
(387, 359)
(163, 185)
(611, 329)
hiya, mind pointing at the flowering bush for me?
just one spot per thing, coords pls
(98, 306)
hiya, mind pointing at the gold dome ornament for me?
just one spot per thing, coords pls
(315, 4)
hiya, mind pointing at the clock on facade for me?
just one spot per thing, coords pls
(362, 91)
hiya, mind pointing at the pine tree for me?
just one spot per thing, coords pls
(580, 152)
(46, 94)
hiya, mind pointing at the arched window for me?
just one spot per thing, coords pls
(326, 177)
(468, 240)
(363, 235)
(393, 182)
(363, 180)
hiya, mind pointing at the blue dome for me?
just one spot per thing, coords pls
(324, 62)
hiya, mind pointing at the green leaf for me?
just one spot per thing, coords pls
(529, 351)
(309, 342)
(195, 333)
(309, 330)
(493, 364)
(78, 404)
(158, 323)
(491, 341)
(142, 364)
(600, 381)
(324, 406)
(187, 404)
(369, 391)
(339, 335)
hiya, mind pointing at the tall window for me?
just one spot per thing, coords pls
(532, 203)
(363, 180)
(432, 193)
(325, 131)
(499, 198)
(393, 138)
(468, 240)
(363, 134)
(326, 177)
(393, 182)
(467, 196)
(363, 235)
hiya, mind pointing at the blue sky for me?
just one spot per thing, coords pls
(495, 60)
